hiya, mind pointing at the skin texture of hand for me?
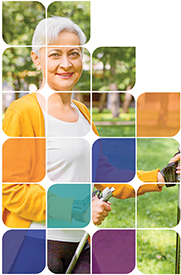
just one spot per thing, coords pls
(100, 210)
(160, 178)
(174, 159)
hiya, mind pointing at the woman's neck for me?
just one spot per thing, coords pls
(60, 98)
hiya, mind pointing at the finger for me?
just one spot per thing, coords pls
(174, 159)
(98, 223)
(105, 214)
(107, 207)
(178, 169)
(101, 218)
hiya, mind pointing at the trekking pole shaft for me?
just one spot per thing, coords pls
(77, 253)
(177, 263)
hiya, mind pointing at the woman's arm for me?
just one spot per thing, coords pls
(12, 124)
(27, 201)
(23, 160)
(106, 172)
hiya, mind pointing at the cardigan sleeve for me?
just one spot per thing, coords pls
(23, 160)
(122, 191)
(11, 124)
(148, 176)
(125, 191)
(27, 201)
(148, 188)
(24, 118)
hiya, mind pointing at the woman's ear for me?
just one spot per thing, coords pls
(36, 61)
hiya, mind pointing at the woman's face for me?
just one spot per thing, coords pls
(64, 63)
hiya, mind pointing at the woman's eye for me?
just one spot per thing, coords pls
(74, 54)
(55, 55)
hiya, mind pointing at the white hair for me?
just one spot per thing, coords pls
(55, 25)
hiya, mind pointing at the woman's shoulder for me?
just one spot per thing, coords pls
(82, 107)
(26, 102)
(24, 118)
(84, 110)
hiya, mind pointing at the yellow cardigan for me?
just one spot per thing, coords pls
(23, 203)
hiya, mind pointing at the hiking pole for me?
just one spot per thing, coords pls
(170, 175)
(106, 194)
(177, 262)
(77, 253)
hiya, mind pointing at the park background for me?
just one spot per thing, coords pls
(152, 27)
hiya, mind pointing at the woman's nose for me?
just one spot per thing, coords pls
(65, 62)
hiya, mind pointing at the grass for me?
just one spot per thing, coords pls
(155, 152)
(122, 214)
(156, 210)
(127, 121)
(156, 251)
(106, 115)
(116, 130)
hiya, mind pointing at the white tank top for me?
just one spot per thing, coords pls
(58, 128)
(68, 160)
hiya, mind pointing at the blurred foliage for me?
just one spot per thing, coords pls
(113, 65)
(77, 11)
(21, 17)
(19, 21)
(18, 70)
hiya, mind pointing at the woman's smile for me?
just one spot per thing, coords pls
(65, 75)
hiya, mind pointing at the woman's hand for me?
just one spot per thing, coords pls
(100, 210)
(176, 158)
(178, 169)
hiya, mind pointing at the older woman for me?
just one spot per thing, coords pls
(63, 118)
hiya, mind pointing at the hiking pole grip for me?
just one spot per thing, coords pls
(169, 172)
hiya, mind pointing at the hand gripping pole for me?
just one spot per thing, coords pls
(106, 194)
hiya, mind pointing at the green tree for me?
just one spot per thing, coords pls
(113, 68)
(77, 11)
(19, 21)
(18, 69)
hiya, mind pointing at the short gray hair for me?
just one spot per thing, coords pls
(55, 25)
